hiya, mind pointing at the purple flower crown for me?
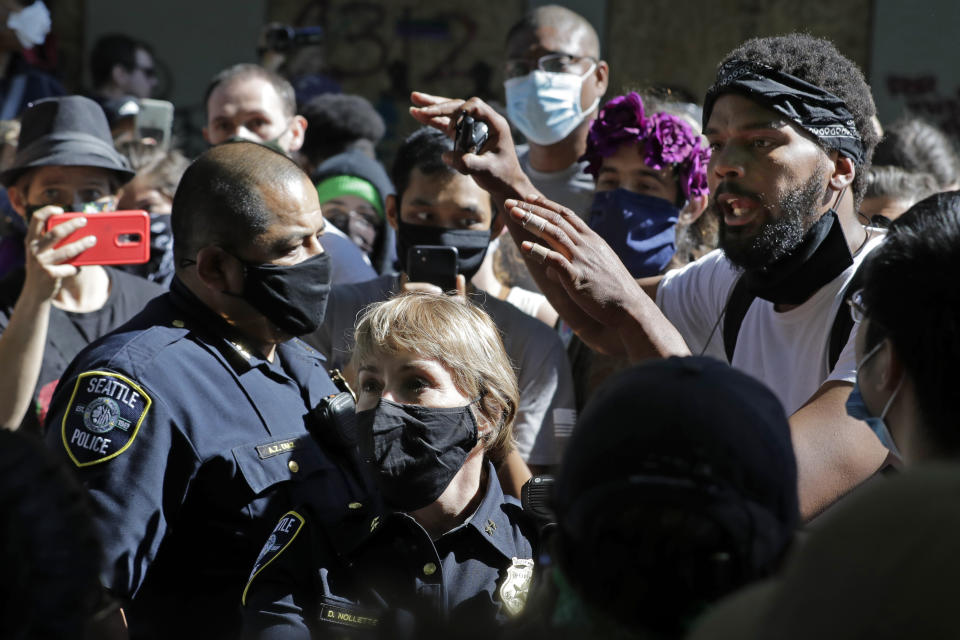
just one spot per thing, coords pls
(667, 142)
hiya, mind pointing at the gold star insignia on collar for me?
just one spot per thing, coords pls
(240, 349)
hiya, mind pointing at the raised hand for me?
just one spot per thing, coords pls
(495, 167)
(44, 265)
(585, 281)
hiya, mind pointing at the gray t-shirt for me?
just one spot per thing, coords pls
(572, 187)
(547, 412)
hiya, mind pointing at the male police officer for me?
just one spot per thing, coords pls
(248, 102)
(191, 425)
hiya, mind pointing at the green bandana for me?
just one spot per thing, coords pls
(350, 186)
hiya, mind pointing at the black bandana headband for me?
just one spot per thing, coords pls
(819, 112)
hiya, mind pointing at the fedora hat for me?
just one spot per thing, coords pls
(65, 131)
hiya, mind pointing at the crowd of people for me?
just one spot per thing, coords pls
(577, 365)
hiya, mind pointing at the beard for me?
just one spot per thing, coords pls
(777, 237)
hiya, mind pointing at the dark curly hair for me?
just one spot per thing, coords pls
(337, 123)
(818, 61)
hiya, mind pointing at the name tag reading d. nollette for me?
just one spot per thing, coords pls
(276, 448)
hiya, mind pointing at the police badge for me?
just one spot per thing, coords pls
(514, 588)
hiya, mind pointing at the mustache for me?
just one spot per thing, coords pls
(733, 188)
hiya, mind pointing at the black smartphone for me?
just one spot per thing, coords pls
(433, 264)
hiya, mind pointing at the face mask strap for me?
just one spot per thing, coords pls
(886, 407)
(869, 355)
(893, 396)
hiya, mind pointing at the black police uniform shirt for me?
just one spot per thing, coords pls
(191, 447)
(371, 571)
(68, 332)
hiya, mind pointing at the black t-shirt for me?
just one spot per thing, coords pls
(70, 332)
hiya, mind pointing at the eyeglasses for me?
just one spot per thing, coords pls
(552, 62)
(857, 311)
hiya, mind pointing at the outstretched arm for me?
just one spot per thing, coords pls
(575, 269)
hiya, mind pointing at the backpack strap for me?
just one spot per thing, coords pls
(740, 300)
(843, 321)
(733, 313)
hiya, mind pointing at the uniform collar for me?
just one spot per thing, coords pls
(225, 339)
(490, 520)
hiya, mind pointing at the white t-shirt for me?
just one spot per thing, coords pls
(527, 301)
(788, 351)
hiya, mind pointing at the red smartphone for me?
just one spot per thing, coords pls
(123, 237)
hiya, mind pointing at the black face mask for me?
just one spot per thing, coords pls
(471, 244)
(821, 256)
(416, 450)
(293, 297)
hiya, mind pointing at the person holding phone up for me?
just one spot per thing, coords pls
(444, 222)
(50, 309)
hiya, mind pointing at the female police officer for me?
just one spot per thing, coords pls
(436, 404)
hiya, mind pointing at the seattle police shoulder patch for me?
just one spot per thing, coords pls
(283, 534)
(103, 416)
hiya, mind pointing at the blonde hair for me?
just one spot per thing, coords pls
(458, 335)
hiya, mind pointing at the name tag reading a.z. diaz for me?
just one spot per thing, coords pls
(103, 416)
(276, 448)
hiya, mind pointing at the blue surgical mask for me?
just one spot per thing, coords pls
(545, 105)
(857, 408)
(641, 229)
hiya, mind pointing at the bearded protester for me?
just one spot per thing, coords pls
(789, 125)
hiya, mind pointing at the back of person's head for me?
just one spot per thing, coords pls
(458, 335)
(111, 50)
(49, 549)
(911, 300)
(422, 150)
(888, 181)
(220, 197)
(920, 147)
(338, 123)
(242, 71)
(892, 190)
(817, 61)
(678, 486)
(880, 565)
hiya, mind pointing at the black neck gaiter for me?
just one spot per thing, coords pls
(822, 255)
